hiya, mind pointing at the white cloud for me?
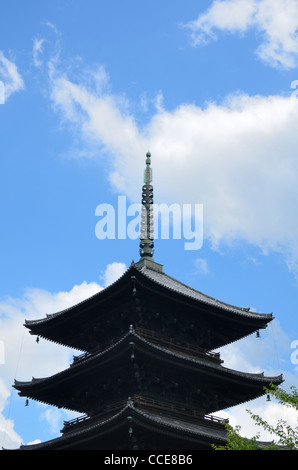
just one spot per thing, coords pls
(25, 358)
(276, 22)
(99, 114)
(9, 439)
(37, 51)
(256, 355)
(252, 354)
(10, 77)
(201, 266)
(271, 412)
(238, 158)
(113, 272)
(52, 416)
(7, 432)
(231, 15)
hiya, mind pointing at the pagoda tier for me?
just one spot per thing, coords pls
(148, 378)
(146, 297)
(138, 425)
(186, 376)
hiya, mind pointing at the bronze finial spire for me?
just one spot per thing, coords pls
(146, 231)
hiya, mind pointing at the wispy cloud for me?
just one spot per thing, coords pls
(10, 77)
(276, 22)
(113, 272)
(24, 358)
(44, 359)
(257, 355)
(237, 157)
(37, 51)
(201, 266)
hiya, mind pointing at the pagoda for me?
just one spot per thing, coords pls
(148, 377)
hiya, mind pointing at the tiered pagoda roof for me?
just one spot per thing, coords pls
(147, 376)
(138, 421)
(225, 323)
(168, 360)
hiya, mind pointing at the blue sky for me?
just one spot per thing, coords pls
(89, 88)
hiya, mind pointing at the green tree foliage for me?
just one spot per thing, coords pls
(286, 437)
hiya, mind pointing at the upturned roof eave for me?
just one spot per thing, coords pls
(174, 286)
(157, 422)
(159, 352)
(80, 305)
(164, 283)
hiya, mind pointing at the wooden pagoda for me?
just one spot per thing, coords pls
(148, 378)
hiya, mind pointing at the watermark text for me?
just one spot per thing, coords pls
(169, 221)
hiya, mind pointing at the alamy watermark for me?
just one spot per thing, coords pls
(2, 93)
(294, 84)
(175, 221)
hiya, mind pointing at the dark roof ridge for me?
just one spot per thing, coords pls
(171, 284)
(155, 275)
(177, 355)
(60, 312)
(175, 424)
